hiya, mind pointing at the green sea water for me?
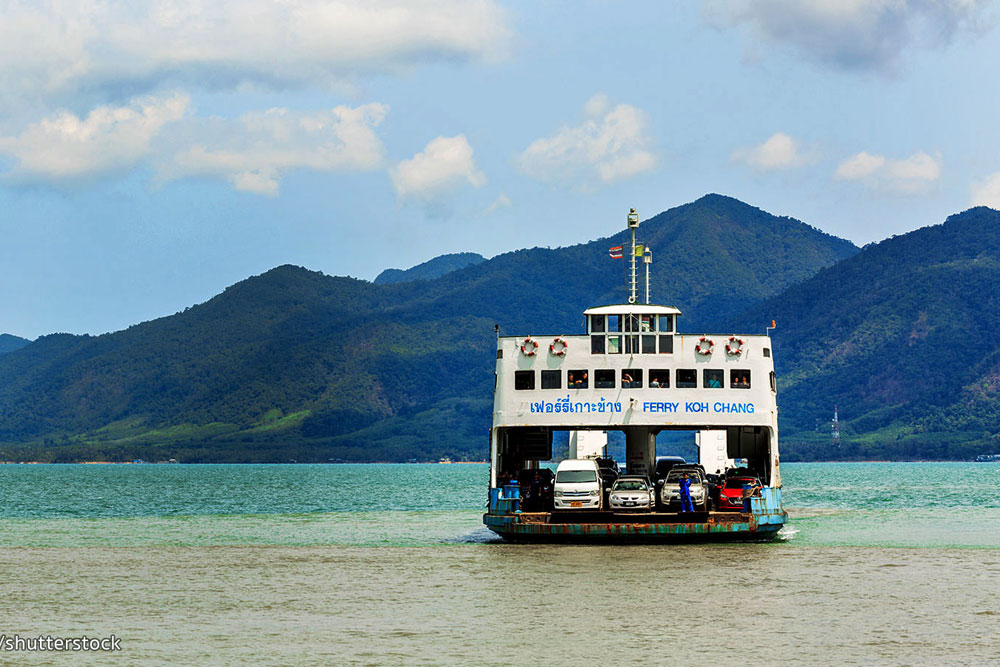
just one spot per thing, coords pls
(881, 563)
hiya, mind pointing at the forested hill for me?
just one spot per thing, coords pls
(431, 269)
(903, 337)
(294, 364)
(10, 343)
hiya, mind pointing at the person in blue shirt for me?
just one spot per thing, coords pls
(686, 494)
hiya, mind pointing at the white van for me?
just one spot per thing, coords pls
(578, 485)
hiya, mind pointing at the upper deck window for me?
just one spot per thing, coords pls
(649, 344)
(577, 380)
(551, 379)
(632, 323)
(647, 323)
(524, 379)
(659, 378)
(597, 323)
(666, 344)
(712, 378)
(614, 322)
(631, 378)
(666, 323)
(687, 378)
(604, 378)
(739, 379)
(614, 344)
(597, 344)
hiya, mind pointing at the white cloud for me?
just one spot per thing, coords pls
(503, 201)
(780, 151)
(444, 164)
(987, 191)
(65, 147)
(851, 34)
(916, 174)
(61, 49)
(254, 151)
(859, 166)
(611, 144)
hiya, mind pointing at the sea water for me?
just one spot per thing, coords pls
(888, 563)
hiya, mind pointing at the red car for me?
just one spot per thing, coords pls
(731, 493)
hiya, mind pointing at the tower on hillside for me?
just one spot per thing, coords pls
(835, 428)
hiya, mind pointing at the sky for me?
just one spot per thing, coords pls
(154, 153)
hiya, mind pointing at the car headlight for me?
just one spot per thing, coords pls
(559, 494)
(595, 493)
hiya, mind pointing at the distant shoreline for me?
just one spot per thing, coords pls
(284, 463)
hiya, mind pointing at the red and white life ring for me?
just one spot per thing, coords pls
(529, 347)
(705, 346)
(734, 347)
(561, 350)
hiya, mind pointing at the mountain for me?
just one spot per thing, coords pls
(903, 338)
(431, 269)
(10, 343)
(293, 364)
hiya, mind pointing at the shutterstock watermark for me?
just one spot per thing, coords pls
(14, 643)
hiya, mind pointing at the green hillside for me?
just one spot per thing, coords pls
(297, 365)
(431, 269)
(10, 343)
(903, 338)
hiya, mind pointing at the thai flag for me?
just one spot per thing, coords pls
(616, 252)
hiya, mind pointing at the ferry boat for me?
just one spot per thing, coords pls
(633, 371)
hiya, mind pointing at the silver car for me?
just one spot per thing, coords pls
(632, 492)
(670, 494)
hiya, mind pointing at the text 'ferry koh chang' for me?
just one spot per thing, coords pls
(633, 372)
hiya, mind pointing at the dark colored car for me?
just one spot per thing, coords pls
(608, 470)
(663, 466)
(731, 493)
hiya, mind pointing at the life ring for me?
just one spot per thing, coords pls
(562, 349)
(734, 347)
(705, 346)
(529, 347)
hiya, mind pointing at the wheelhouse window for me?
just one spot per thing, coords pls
(666, 344)
(551, 379)
(604, 379)
(666, 322)
(659, 379)
(614, 322)
(739, 379)
(597, 324)
(647, 323)
(577, 380)
(687, 378)
(524, 380)
(767, 352)
(648, 344)
(712, 378)
(631, 378)
(614, 344)
(632, 323)
(597, 344)
(631, 344)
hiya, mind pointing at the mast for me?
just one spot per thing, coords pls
(633, 223)
(647, 259)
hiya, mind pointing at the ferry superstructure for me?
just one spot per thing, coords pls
(633, 371)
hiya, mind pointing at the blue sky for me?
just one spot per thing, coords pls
(153, 153)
